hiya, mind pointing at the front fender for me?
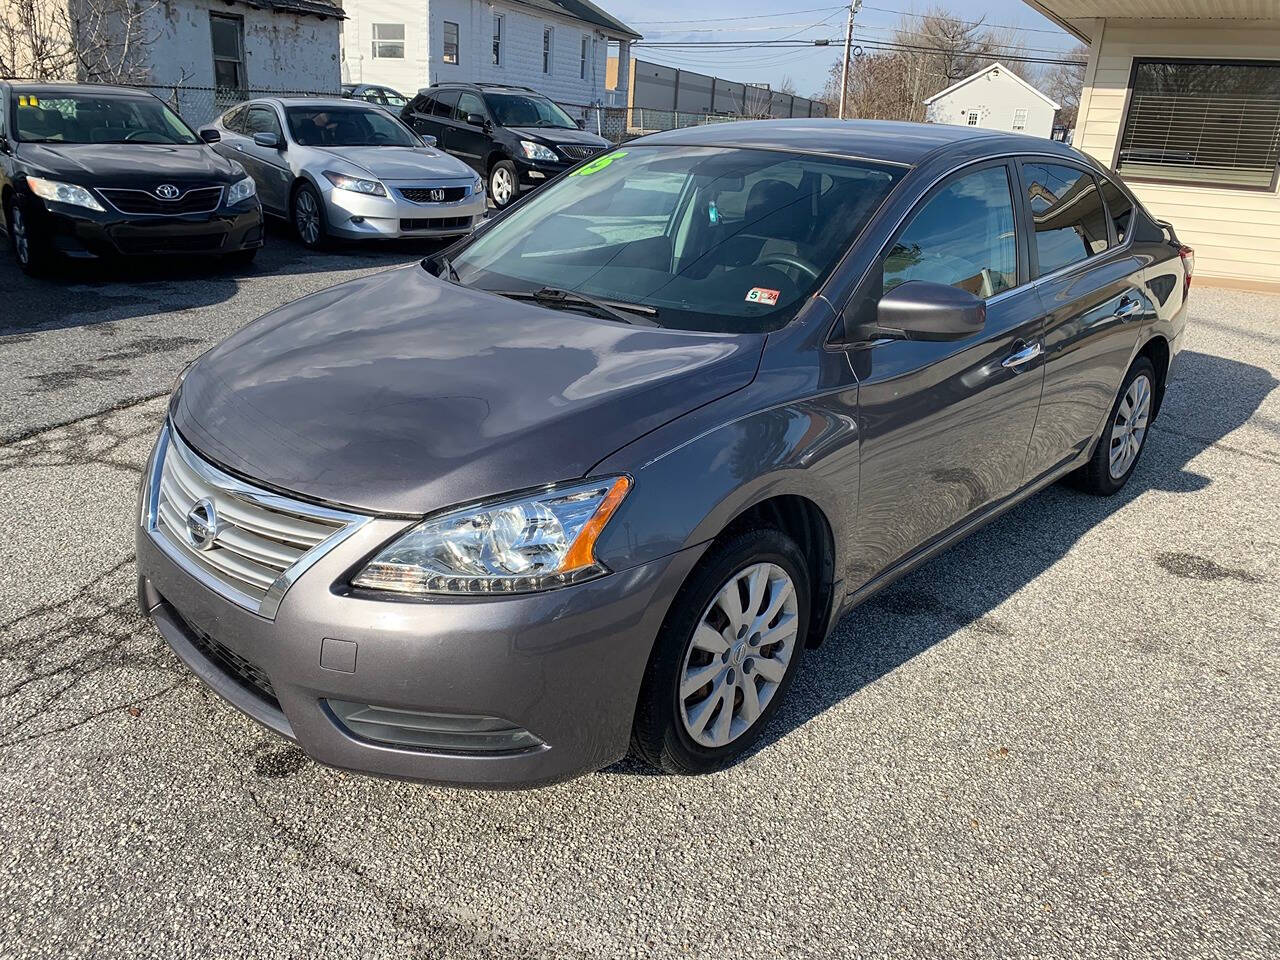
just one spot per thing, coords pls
(696, 474)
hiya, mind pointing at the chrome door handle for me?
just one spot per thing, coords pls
(1025, 355)
(1127, 309)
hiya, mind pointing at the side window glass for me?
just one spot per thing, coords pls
(963, 236)
(1119, 207)
(420, 104)
(233, 119)
(264, 120)
(1070, 221)
(468, 103)
(443, 106)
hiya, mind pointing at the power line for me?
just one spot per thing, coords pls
(762, 16)
(968, 23)
(867, 43)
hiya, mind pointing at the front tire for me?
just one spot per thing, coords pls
(307, 216)
(1124, 437)
(25, 240)
(726, 655)
(504, 183)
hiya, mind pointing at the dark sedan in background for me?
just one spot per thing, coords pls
(600, 474)
(89, 171)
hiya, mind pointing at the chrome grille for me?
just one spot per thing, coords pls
(259, 541)
(576, 151)
(198, 200)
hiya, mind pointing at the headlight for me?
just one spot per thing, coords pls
(531, 543)
(355, 184)
(536, 151)
(63, 193)
(241, 190)
(478, 186)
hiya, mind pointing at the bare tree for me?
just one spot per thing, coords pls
(102, 41)
(756, 102)
(1064, 83)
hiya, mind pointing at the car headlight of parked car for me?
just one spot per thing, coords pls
(521, 545)
(241, 190)
(355, 184)
(536, 151)
(69, 193)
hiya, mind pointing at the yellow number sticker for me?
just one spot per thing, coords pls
(598, 164)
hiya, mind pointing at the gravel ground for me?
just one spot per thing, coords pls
(1056, 740)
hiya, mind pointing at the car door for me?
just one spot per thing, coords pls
(1095, 301)
(275, 178)
(469, 142)
(417, 115)
(944, 426)
(233, 132)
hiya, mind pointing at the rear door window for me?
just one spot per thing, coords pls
(1119, 207)
(1067, 212)
(444, 103)
(963, 236)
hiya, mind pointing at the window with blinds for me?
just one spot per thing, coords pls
(1203, 122)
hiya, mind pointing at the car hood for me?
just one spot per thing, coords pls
(562, 135)
(130, 164)
(400, 393)
(402, 163)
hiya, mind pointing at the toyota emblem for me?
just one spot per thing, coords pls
(202, 524)
(437, 195)
(167, 191)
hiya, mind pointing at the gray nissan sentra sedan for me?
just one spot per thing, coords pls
(597, 476)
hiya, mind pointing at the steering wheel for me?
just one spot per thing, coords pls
(789, 260)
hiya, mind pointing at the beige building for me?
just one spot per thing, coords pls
(1182, 99)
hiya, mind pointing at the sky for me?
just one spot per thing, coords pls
(756, 20)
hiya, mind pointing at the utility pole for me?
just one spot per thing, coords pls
(854, 7)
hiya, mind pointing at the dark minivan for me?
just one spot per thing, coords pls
(89, 171)
(513, 136)
(599, 475)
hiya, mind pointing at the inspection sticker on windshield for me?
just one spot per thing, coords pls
(763, 295)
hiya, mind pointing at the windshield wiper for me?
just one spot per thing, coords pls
(447, 268)
(611, 309)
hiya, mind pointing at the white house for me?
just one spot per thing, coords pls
(557, 47)
(1182, 99)
(217, 52)
(996, 98)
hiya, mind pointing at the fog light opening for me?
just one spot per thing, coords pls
(446, 732)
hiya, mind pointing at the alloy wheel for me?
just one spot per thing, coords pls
(307, 217)
(1130, 426)
(21, 240)
(502, 186)
(738, 655)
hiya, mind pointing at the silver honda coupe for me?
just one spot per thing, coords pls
(336, 168)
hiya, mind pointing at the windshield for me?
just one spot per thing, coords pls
(334, 126)
(526, 110)
(712, 238)
(95, 118)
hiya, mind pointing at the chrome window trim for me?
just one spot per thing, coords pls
(1031, 282)
(169, 441)
(175, 213)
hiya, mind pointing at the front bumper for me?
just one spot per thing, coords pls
(531, 174)
(564, 665)
(355, 215)
(83, 233)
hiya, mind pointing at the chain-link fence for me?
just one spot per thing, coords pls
(201, 105)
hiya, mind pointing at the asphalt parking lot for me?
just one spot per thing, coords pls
(1056, 740)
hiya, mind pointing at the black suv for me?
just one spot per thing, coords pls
(514, 136)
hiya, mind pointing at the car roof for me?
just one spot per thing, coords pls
(890, 141)
(463, 85)
(330, 101)
(54, 89)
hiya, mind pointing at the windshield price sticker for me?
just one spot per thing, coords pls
(763, 295)
(598, 164)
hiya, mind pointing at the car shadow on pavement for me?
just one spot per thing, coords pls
(84, 292)
(1209, 397)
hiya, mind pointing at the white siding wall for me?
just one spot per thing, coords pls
(1236, 233)
(282, 51)
(996, 98)
(521, 48)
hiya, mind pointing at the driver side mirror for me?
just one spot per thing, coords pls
(476, 119)
(923, 310)
(210, 135)
(269, 140)
(427, 139)
(582, 124)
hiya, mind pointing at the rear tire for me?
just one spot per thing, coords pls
(306, 213)
(504, 183)
(726, 655)
(1125, 435)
